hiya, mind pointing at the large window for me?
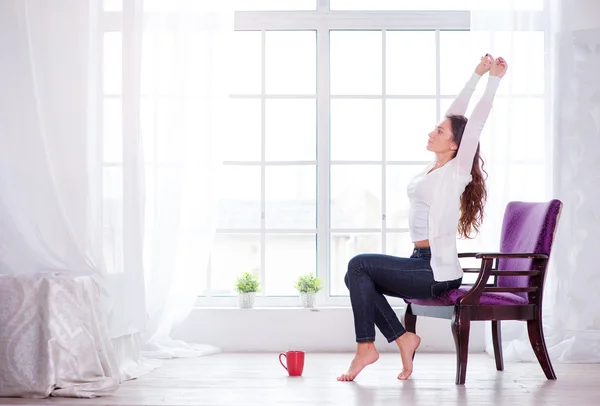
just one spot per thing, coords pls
(332, 106)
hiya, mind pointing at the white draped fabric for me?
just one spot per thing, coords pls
(566, 140)
(128, 239)
(53, 329)
(183, 98)
(54, 339)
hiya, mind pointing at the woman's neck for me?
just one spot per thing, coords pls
(443, 159)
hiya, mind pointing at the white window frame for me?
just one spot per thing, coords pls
(322, 21)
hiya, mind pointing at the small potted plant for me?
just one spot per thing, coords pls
(308, 285)
(247, 285)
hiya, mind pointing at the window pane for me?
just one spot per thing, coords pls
(460, 52)
(291, 130)
(399, 245)
(521, 124)
(524, 51)
(243, 141)
(356, 62)
(291, 197)
(445, 104)
(408, 124)
(436, 5)
(247, 55)
(112, 130)
(410, 62)
(113, 63)
(232, 255)
(513, 121)
(112, 218)
(527, 182)
(177, 190)
(472, 245)
(356, 130)
(344, 246)
(291, 62)
(287, 257)
(180, 260)
(260, 5)
(356, 196)
(239, 204)
(398, 177)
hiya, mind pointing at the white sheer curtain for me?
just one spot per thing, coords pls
(574, 315)
(175, 106)
(539, 82)
(50, 253)
(140, 226)
(183, 98)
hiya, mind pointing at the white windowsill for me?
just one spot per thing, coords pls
(321, 329)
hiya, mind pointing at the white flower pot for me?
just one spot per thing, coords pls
(246, 300)
(308, 299)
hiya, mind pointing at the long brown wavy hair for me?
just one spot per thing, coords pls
(474, 197)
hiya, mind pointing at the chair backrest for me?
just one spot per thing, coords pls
(527, 227)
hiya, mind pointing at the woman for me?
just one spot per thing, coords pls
(449, 192)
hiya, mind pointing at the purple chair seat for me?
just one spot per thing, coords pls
(450, 298)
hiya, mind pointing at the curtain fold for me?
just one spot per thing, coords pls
(184, 93)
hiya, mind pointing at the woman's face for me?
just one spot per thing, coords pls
(441, 139)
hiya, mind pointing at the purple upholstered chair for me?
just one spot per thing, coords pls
(520, 270)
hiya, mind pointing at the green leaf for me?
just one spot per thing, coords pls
(308, 284)
(247, 283)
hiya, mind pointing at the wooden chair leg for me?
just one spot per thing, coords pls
(410, 320)
(461, 326)
(538, 343)
(497, 340)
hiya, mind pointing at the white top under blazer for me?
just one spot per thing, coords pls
(435, 197)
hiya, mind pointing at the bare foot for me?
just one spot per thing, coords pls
(408, 344)
(366, 354)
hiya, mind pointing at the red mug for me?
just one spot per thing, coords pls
(294, 361)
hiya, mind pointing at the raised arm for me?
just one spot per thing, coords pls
(461, 102)
(481, 112)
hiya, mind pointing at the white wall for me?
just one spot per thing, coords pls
(324, 329)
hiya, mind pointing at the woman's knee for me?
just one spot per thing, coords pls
(356, 264)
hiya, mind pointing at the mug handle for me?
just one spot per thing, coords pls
(281, 361)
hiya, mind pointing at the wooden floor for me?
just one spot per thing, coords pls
(258, 379)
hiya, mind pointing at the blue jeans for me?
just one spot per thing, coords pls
(370, 276)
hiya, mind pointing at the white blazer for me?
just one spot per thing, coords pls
(444, 212)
